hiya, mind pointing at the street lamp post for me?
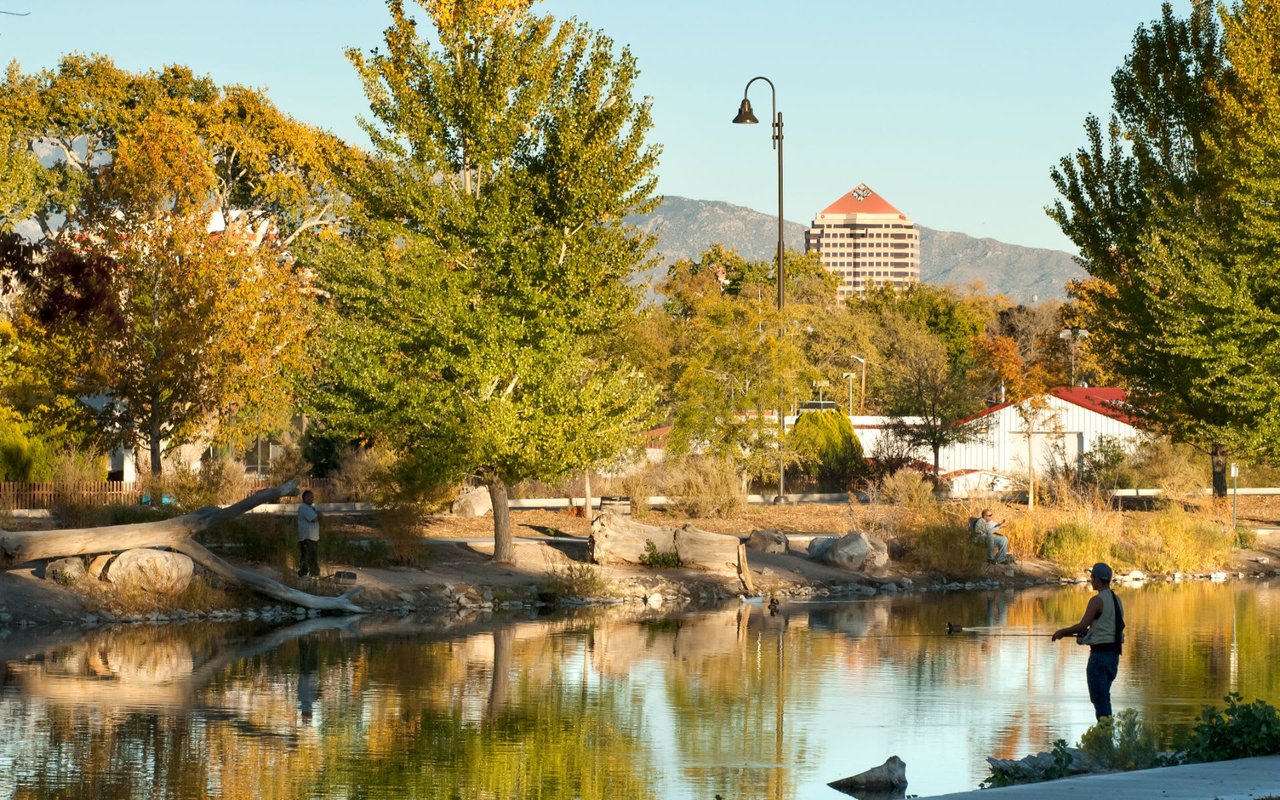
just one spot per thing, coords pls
(1071, 336)
(849, 377)
(862, 398)
(746, 116)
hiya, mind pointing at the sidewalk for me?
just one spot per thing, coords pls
(1245, 779)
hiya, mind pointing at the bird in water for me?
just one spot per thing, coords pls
(773, 605)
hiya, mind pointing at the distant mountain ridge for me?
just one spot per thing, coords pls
(686, 228)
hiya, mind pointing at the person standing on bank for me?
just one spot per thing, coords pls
(1102, 628)
(308, 537)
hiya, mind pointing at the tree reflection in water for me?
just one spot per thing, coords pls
(601, 705)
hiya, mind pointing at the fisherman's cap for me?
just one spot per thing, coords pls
(1101, 571)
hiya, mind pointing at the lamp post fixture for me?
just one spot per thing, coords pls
(1071, 336)
(862, 398)
(746, 116)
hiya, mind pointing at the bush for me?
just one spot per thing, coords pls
(909, 489)
(947, 547)
(1173, 539)
(582, 581)
(1122, 742)
(1237, 731)
(656, 559)
(828, 448)
(70, 504)
(705, 486)
(216, 482)
(1075, 544)
(290, 465)
(24, 457)
(638, 486)
(366, 474)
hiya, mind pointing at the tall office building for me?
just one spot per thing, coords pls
(866, 242)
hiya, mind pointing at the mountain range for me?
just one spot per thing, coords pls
(686, 228)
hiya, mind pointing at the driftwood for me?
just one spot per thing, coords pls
(21, 547)
(617, 539)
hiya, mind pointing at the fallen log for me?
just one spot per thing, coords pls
(616, 539)
(21, 547)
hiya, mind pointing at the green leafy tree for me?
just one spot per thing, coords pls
(932, 387)
(828, 448)
(475, 301)
(1170, 212)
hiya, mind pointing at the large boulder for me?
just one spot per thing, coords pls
(856, 552)
(65, 571)
(891, 776)
(156, 571)
(768, 541)
(819, 546)
(473, 503)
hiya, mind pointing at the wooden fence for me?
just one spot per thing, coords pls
(107, 493)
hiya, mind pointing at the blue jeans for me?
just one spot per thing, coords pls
(1100, 673)
(997, 547)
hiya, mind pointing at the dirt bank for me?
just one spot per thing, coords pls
(550, 565)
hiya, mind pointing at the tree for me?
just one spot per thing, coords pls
(936, 389)
(167, 332)
(475, 299)
(1180, 303)
(828, 447)
(273, 171)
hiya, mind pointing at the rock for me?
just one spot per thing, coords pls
(897, 550)
(857, 552)
(99, 563)
(473, 503)
(1134, 576)
(890, 776)
(819, 545)
(65, 571)
(155, 571)
(768, 541)
(654, 600)
(1218, 577)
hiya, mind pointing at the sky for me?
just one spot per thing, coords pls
(954, 112)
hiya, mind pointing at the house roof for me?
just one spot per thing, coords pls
(1109, 401)
(862, 200)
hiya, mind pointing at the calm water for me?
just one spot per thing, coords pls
(603, 705)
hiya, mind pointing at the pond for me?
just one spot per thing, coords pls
(604, 704)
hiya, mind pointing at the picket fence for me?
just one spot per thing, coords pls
(15, 495)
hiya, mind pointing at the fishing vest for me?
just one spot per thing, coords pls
(1108, 628)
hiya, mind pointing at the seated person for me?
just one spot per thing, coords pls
(997, 545)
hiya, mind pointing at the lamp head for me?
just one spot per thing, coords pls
(745, 115)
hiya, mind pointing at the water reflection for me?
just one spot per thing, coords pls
(740, 702)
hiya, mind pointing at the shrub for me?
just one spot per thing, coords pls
(1122, 742)
(216, 482)
(576, 580)
(705, 486)
(70, 469)
(947, 547)
(909, 489)
(638, 486)
(1173, 539)
(1076, 543)
(1237, 731)
(366, 474)
(24, 456)
(656, 559)
(290, 465)
(399, 524)
(828, 448)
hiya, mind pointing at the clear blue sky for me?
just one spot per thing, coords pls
(953, 111)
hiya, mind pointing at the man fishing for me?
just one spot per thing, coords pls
(1102, 628)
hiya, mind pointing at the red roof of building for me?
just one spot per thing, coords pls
(861, 200)
(1108, 401)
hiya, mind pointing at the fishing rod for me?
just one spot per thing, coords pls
(989, 630)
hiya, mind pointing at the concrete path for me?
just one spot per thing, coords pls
(1245, 779)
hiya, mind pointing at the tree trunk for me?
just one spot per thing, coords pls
(504, 551)
(20, 547)
(586, 490)
(154, 447)
(1031, 472)
(1218, 456)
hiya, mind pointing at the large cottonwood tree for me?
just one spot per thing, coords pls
(1171, 208)
(474, 302)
